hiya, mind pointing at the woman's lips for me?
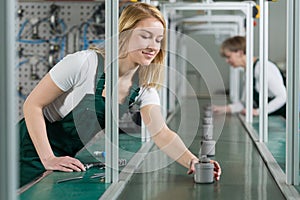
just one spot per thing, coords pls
(148, 54)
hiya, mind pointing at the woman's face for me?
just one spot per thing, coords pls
(234, 58)
(145, 41)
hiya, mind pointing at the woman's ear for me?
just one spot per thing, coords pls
(240, 52)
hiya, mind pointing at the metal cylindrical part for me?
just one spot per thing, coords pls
(207, 132)
(207, 107)
(204, 171)
(208, 113)
(207, 120)
(208, 147)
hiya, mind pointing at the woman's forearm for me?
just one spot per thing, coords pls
(167, 140)
(43, 94)
(37, 130)
(170, 143)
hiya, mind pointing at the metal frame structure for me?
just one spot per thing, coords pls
(146, 1)
(213, 28)
(8, 140)
(8, 136)
(218, 18)
(111, 81)
(263, 54)
(224, 29)
(247, 9)
(234, 22)
(293, 72)
(208, 28)
(171, 82)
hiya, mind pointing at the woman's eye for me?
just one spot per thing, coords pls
(145, 37)
(159, 39)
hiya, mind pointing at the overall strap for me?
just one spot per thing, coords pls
(255, 93)
(100, 67)
(254, 65)
(134, 91)
(100, 82)
(100, 78)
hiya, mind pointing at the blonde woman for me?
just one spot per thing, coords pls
(49, 135)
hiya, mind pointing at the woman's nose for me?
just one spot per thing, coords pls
(153, 44)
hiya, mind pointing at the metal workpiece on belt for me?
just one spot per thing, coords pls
(207, 120)
(207, 110)
(207, 131)
(204, 171)
(207, 107)
(207, 148)
(208, 113)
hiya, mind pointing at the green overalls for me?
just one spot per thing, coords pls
(281, 111)
(65, 136)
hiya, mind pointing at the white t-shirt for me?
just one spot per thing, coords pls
(75, 75)
(276, 89)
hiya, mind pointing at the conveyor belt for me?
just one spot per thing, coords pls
(245, 176)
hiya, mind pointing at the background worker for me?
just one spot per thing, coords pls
(234, 51)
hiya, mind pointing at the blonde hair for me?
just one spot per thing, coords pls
(149, 76)
(233, 44)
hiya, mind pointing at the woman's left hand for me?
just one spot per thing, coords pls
(192, 166)
(254, 112)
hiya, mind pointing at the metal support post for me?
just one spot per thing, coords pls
(163, 91)
(293, 71)
(172, 67)
(263, 55)
(111, 82)
(249, 64)
(8, 137)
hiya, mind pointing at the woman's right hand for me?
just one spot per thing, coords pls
(64, 163)
(217, 169)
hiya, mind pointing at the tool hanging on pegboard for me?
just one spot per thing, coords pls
(50, 30)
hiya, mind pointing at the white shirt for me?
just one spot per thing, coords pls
(276, 89)
(75, 75)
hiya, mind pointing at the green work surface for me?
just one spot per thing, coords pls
(87, 187)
